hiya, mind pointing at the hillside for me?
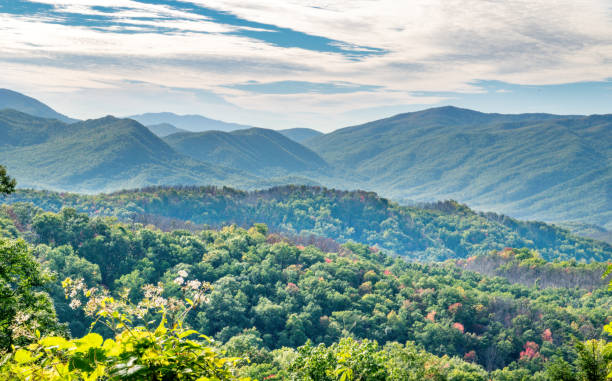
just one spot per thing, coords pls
(434, 232)
(255, 150)
(106, 153)
(268, 296)
(531, 166)
(16, 101)
(164, 129)
(195, 123)
(589, 231)
(300, 135)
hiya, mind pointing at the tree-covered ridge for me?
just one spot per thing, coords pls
(271, 293)
(528, 268)
(104, 154)
(300, 135)
(531, 166)
(432, 232)
(256, 150)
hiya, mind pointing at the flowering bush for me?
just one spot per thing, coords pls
(167, 351)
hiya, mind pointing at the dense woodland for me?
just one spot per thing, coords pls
(431, 232)
(310, 313)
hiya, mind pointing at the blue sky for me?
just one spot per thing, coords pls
(308, 63)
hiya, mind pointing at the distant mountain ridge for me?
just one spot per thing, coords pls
(100, 154)
(193, 123)
(534, 166)
(164, 129)
(16, 101)
(300, 135)
(255, 150)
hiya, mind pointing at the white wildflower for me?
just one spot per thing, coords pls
(21, 317)
(194, 284)
(149, 290)
(158, 301)
(182, 274)
(179, 280)
(75, 303)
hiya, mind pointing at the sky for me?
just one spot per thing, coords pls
(308, 63)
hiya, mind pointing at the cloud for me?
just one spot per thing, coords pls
(297, 60)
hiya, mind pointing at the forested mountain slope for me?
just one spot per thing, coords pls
(255, 150)
(300, 135)
(433, 232)
(16, 101)
(106, 153)
(164, 129)
(589, 231)
(530, 166)
(268, 293)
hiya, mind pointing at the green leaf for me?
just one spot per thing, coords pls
(91, 340)
(23, 356)
(55, 341)
(187, 333)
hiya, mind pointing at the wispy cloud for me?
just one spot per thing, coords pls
(291, 62)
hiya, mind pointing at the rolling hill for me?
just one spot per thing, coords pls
(431, 232)
(13, 100)
(164, 129)
(195, 123)
(100, 154)
(531, 166)
(255, 150)
(300, 135)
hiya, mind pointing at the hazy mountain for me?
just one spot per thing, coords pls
(100, 154)
(164, 129)
(13, 100)
(195, 123)
(255, 150)
(589, 231)
(530, 165)
(300, 135)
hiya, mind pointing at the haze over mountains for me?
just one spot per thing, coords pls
(164, 129)
(196, 123)
(300, 135)
(17, 101)
(534, 166)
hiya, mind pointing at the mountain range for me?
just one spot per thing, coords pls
(531, 166)
(98, 155)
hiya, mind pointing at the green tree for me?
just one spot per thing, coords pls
(7, 184)
(593, 360)
(24, 308)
